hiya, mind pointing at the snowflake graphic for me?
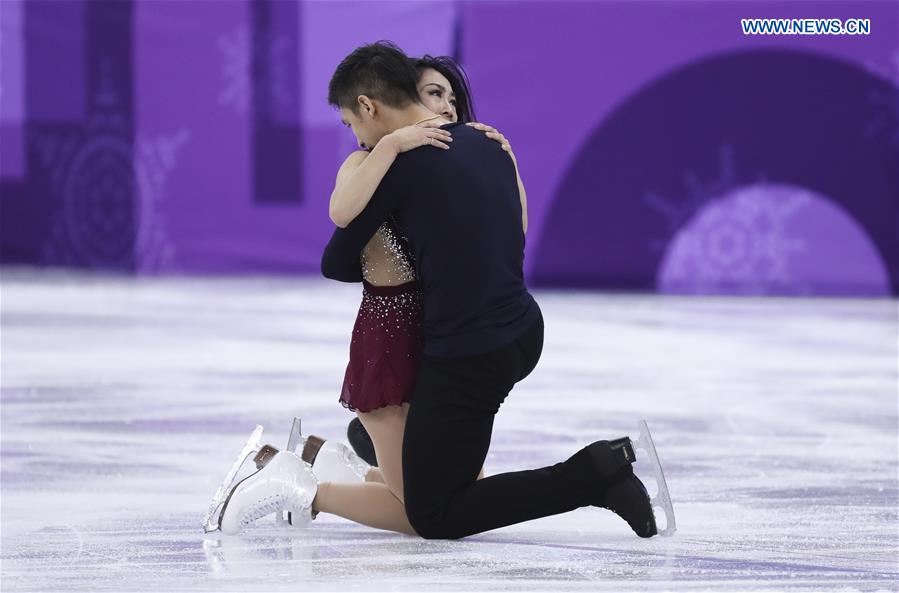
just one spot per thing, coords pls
(727, 236)
(235, 49)
(677, 212)
(238, 50)
(739, 243)
(884, 102)
(155, 161)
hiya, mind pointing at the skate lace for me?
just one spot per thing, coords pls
(261, 508)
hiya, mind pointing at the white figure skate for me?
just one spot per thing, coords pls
(261, 455)
(285, 483)
(662, 498)
(330, 461)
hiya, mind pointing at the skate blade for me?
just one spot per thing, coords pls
(282, 518)
(662, 499)
(211, 520)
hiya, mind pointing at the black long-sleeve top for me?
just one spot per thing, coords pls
(461, 213)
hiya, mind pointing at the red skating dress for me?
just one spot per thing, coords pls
(387, 338)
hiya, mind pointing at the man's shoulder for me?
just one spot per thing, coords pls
(465, 139)
(470, 149)
(463, 130)
(456, 127)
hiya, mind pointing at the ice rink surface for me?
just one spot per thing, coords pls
(125, 400)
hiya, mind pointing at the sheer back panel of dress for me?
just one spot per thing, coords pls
(385, 259)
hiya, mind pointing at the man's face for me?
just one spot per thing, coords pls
(367, 129)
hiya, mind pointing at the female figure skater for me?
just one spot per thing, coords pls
(387, 338)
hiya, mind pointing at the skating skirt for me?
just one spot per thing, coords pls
(386, 348)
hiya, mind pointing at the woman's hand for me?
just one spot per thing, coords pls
(410, 137)
(493, 134)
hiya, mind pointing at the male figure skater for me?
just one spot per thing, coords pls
(460, 211)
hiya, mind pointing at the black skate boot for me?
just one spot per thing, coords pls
(361, 442)
(623, 494)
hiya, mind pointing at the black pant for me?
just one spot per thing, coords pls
(446, 440)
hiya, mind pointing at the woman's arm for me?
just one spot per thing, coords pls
(340, 260)
(495, 134)
(521, 194)
(357, 179)
(362, 171)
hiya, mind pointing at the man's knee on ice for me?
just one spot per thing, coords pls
(431, 528)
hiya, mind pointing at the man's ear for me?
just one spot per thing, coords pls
(366, 105)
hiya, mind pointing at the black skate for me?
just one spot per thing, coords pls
(361, 442)
(625, 494)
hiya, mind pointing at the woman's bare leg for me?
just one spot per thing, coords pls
(374, 502)
(378, 502)
(369, 503)
(386, 426)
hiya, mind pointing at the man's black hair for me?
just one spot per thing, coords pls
(380, 71)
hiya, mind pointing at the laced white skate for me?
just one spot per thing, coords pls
(330, 461)
(662, 498)
(285, 483)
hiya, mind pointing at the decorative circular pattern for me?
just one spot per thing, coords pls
(99, 197)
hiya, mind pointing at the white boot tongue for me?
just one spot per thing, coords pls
(337, 463)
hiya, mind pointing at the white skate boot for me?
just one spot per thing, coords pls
(331, 461)
(261, 455)
(285, 483)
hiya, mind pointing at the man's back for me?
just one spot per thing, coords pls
(461, 212)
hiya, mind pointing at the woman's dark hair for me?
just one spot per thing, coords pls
(457, 79)
(379, 70)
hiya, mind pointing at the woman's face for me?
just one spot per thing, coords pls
(436, 93)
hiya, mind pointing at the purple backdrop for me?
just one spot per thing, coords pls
(679, 154)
